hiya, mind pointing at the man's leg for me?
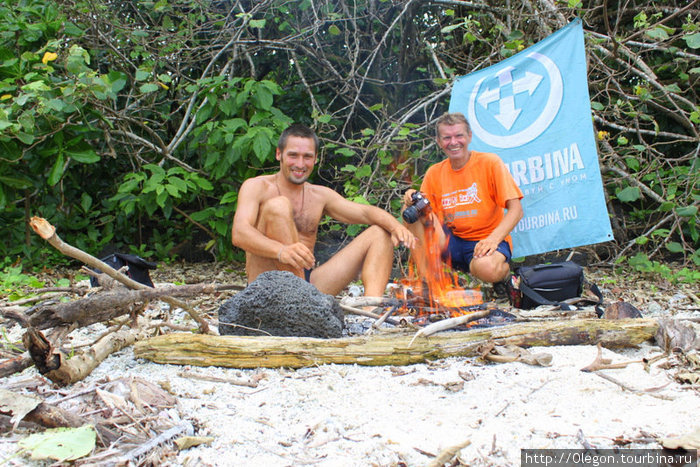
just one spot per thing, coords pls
(493, 268)
(275, 220)
(370, 254)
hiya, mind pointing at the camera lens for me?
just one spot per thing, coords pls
(410, 214)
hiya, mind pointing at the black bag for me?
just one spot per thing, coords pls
(137, 268)
(547, 284)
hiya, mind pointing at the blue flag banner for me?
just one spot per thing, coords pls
(533, 110)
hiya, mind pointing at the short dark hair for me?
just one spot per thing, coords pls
(299, 130)
(453, 118)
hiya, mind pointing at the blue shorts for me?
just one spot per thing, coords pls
(461, 251)
(307, 275)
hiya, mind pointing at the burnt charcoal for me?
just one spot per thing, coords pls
(495, 317)
(621, 310)
(281, 304)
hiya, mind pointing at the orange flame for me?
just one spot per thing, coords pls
(436, 289)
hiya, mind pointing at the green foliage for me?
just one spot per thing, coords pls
(641, 263)
(13, 282)
(133, 124)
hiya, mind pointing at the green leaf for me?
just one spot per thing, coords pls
(142, 75)
(629, 194)
(72, 29)
(25, 138)
(261, 146)
(203, 183)
(88, 156)
(172, 190)
(667, 206)
(674, 247)
(693, 40)
(230, 197)
(658, 33)
(149, 87)
(334, 30)
(61, 444)
(85, 202)
(56, 171)
(162, 197)
(632, 163)
(687, 211)
(347, 152)
(641, 240)
(364, 171)
(257, 23)
(15, 182)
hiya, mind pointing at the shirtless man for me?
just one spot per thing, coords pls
(277, 218)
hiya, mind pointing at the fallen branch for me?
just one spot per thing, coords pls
(102, 307)
(60, 369)
(216, 379)
(631, 389)
(600, 363)
(298, 352)
(15, 365)
(449, 323)
(131, 456)
(447, 454)
(48, 232)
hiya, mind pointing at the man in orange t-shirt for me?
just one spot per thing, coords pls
(468, 192)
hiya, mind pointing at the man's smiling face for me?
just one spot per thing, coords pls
(297, 159)
(454, 141)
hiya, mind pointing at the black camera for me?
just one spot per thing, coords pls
(420, 207)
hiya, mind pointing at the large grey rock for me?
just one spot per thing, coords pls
(281, 304)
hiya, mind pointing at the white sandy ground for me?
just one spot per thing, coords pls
(348, 415)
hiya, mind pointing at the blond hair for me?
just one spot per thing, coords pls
(454, 118)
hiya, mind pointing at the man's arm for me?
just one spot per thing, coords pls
(511, 218)
(246, 235)
(350, 212)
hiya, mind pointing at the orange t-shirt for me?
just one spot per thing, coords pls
(471, 200)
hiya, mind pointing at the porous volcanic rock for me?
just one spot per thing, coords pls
(281, 304)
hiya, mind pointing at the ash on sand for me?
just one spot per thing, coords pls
(281, 304)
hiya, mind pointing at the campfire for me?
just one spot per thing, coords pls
(436, 294)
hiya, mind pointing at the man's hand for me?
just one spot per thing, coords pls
(401, 235)
(485, 247)
(296, 255)
(407, 197)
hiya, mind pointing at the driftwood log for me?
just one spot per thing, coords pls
(297, 352)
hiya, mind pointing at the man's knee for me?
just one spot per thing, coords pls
(377, 234)
(490, 269)
(278, 207)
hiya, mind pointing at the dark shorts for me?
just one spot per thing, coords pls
(307, 275)
(461, 252)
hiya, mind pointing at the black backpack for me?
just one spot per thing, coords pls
(137, 268)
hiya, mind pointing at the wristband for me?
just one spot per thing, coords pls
(279, 255)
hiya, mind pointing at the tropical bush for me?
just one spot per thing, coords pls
(133, 124)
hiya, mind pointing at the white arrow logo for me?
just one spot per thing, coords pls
(507, 113)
